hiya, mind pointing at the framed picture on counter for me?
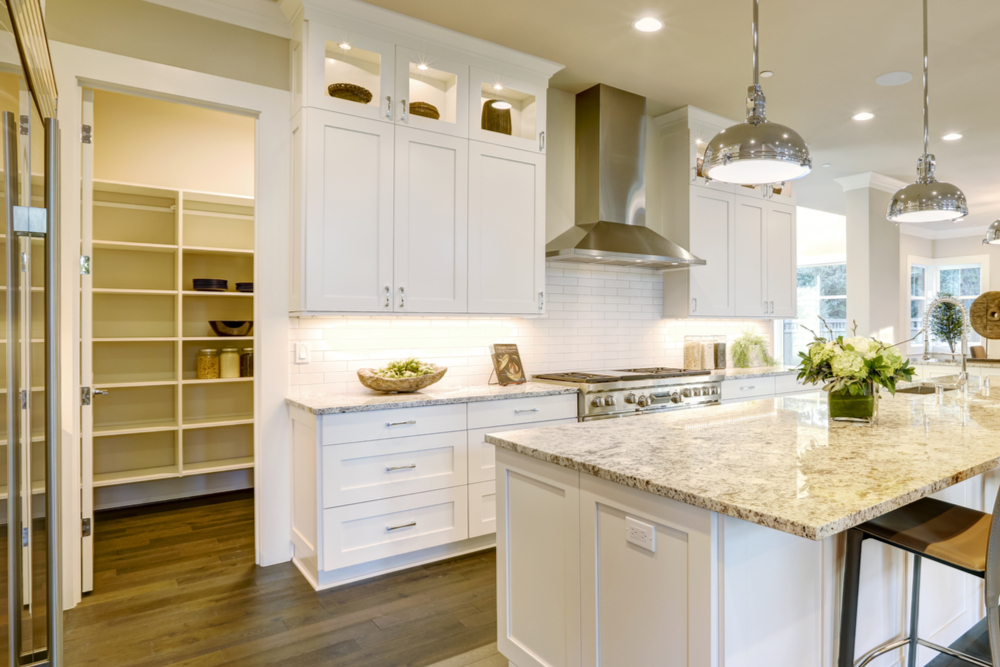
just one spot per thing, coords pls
(507, 364)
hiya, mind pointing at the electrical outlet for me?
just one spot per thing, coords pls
(302, 352)
(640, 533)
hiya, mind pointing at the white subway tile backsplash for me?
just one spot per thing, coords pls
(597, 318)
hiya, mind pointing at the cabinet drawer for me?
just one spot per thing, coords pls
(380, 424)
(482, 508)
(363, 471)
(736, 390)
(522, 410)
(789, 384)
(369, 531)
(482, 455)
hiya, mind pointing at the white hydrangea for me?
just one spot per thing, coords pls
(849, 364)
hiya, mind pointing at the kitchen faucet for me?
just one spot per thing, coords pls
(963, 378)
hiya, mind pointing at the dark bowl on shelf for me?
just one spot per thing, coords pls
(231, 328)
(210, 285)
(244, 287)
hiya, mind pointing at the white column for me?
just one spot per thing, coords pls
(873, 269)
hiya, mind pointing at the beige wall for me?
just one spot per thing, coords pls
(152, 142)
(159, 34)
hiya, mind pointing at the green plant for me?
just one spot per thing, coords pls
(853, 365)
(947, 322)
(745, 346)
(406, 368)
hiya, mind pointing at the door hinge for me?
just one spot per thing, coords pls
(24, 262)
(85, 264)
(87, 134)
(24, 399)
(25, 124)
(85, 396)
(86, 527)
(24, 537)
(541, 301)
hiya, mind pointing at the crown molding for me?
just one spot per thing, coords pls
(693, 115)
(870, 179)
(260, 15)
(939, 234)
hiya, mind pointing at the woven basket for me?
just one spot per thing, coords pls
(496, 120)
(424, 109)
(399, 385)
(348, 91)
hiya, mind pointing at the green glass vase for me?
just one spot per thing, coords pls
(860, 408)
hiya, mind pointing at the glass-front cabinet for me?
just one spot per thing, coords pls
(350, 73)
(506, 111)
(432, 92)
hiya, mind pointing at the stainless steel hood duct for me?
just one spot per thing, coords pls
(611, 188)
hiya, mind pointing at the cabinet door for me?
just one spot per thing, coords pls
(506, 230)
(430, 81)
(750, 257)
(338, 56)
(348, 225)
(431, 227)
(712, 239)
(781, 260)
(506, 111)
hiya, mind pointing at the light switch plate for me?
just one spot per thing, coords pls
(640, 533)
(302, 352)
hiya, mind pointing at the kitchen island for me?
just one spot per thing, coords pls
(711, 536)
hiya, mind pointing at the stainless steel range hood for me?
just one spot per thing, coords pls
(611, 188)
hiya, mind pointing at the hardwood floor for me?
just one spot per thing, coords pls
(176, 585)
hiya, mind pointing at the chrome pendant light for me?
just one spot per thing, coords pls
(927, 200)
(756, 152)
(993, 234)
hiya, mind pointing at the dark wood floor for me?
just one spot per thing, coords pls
(176, 585)
(975, 642)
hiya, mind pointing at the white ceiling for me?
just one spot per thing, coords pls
(825, 57)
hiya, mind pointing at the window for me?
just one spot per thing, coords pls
(928, 279)
(822, 293)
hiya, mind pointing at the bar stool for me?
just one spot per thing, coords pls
(952, 535)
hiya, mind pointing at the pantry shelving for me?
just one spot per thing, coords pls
(157, 420)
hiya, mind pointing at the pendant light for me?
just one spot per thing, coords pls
(993, 234)
(756, 152)
(927, 200)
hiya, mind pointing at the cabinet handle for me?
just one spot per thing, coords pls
(388, 107)
(541, 301)
(388, 296)
(694, 174)
(772, 308)
(403, 102)
(541, 140)
(412, 421)
(405, 525)
(517, 412)
(694, 305)
(402, 297)
(406, 467)
(748, 388)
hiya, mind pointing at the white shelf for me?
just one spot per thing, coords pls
(120, 385)
(134, 429)
(202, 250)
(151, 339)
(37, 488)
(132, 476)
(218, 465)
(210, 338)
(131, 245)
(216, 424)
(216, 294)
(108, 290)
(215, 380)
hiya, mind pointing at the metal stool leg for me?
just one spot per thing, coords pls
(993, 627)
(849, 603)
(911, 657)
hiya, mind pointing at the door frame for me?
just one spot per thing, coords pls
(78, 67)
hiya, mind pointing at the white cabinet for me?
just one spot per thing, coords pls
(430, 268)
(519, 108)
(506, 230)
(367, 65)
(431, 81)
(782, 262)
(751, 257)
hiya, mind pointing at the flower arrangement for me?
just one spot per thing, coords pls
(854, 365)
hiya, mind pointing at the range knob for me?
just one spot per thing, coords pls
(630, 398)
(643, 401)
(715, 390)
(698, 391)
(688, 392)
(676, 397)
(609, 401)
(598, 402)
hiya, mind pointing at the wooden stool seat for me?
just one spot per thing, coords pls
(950, 534)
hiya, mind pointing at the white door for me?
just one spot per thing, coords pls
(348, 221)
(750, 256)
(506, 230)
(437, 86)
(506, 111)
(86, 347)
(431, 230)
(781, 260)
(712, 239)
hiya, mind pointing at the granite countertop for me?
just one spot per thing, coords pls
(780, 462)
(328, 404)
(759, 372)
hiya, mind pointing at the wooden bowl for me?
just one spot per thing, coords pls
(350, 92)
(229, 328)
(369, 379)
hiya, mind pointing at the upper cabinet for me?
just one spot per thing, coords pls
(745, 235)
(418, 167)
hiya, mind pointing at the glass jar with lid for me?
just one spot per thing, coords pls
(246, 362)
(207, 364)
(229, 363)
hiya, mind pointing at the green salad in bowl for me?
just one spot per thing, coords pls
(401, 376)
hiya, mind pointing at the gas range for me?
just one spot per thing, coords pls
(636, 391)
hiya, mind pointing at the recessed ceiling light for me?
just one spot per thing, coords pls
(648, 24)
(766, 73)
(826, 164)
(894, 79)
(422, 67)
(345, 46)
(498, 104)
(952, 137)
(699, 142)
(864, 115)
(497, 87)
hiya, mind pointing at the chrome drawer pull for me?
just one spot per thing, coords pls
(517, 412)
(747, 388)
(412, 421)
(405, 525)
(406, 467)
